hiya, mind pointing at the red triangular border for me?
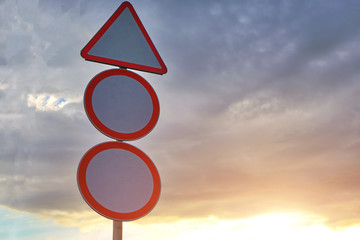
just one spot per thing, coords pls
(84, 52)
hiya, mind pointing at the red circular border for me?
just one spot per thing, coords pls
(104, 129)
(84, 190)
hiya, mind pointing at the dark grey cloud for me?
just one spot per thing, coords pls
(236, 47)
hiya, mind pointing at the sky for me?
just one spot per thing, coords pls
(259, 128)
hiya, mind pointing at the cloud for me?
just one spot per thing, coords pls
(259, 109)
(41, 91)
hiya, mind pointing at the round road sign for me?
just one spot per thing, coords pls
(121, 104)
(118, 181)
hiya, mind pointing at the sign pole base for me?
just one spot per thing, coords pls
(117, 230)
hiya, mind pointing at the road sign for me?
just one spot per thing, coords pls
(123, 41)
(121, 104)
(118, 181)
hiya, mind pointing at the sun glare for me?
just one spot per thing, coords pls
(286, 226)
(265, 227)
(279, 226)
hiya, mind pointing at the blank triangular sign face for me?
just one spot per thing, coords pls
(123, 41)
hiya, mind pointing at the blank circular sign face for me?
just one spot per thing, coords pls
(121, 104)
(118, 181)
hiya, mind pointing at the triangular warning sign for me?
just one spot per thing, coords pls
(123, 41)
